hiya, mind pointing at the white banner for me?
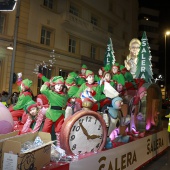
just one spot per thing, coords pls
(126, 157)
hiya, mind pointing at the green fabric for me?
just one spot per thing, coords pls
(72, 91)
(45, 79)
(57, 79)
(97, 78)
(27, 82)
(84, 66)
(72, 74)
(80, 81)
(69, 81)
(54, 99)
(99, 96)
(89, 72)
(119, 78)
(22, 101)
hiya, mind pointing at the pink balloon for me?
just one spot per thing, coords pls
(6, 120)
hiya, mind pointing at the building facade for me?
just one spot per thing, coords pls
(58, 36)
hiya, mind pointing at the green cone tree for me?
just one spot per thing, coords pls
(109, 58)
(144, 65)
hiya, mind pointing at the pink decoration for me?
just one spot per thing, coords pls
(6, 121)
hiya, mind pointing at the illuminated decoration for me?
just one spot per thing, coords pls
(168, 116)
(109, 58)
(144, 65)
(7, 5)
(10, 47)
(47, 65)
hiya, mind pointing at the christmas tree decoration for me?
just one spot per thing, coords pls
(109, 58)
(144, 65)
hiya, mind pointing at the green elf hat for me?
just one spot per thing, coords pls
(107, 68)
(69, 81)
(26, 83)
(30, 105)
(89, 72)
(56, 80)
(84, 67)
(72, 75)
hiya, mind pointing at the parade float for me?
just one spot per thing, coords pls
(86, 138)
(125, 133)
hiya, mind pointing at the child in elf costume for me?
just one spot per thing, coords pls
(57, 100)
(24, 97)
(92, 88)
(116, 74)
(83, 71)
(36, 116)
(98, 77)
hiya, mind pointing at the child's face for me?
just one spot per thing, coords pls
(33, 111)
(90, 79)
(119, 87)
(100, 72)
(83, 71)
(58, 87)
(107, 76)
(114, 69)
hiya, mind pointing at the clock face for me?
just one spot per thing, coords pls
(86, 135)
(83, 132)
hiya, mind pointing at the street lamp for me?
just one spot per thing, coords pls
(167, 33)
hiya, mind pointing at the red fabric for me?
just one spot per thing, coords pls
(48, 125)
(47, 84)
(104, 102)
(25, 93)
(92, 85)
(16, 114)
(11, 108)
(93, 93)
(24, 117)
(95, 107)
(139, 82)
(39, 75)
(129, 86)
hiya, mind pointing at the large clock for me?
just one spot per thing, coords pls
(83, 132)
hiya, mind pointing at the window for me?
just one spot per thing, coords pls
(47, 72)
(64, 73)
(46, 35)
(74, 10)
(72, 45)
(94, 20)
(2, 23)
(48, 3)
(93, 51)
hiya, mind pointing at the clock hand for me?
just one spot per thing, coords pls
(94, 136)
(84, 130)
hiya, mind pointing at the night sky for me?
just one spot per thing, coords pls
(164, 25)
